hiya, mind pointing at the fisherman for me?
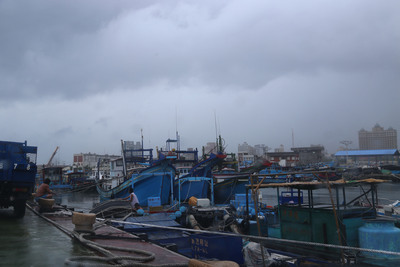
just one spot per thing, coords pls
(44, 190)
(133, 200)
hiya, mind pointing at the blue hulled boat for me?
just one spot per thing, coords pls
(198, 182)
(154, 181)
(229, 182)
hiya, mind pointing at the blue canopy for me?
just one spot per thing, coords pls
(379, 152)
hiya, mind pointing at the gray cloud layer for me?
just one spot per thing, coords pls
(330, 67)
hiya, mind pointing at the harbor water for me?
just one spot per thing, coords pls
(31, 241)
(387, 194)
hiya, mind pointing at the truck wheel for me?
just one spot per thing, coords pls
(19, 208)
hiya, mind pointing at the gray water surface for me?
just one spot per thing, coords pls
(32, 241)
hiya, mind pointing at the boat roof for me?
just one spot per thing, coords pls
(367, 152)
(317, 184)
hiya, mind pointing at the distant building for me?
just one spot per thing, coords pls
(132, 145)
(246, 148)
(245, 159)
(309, 155)
(261, 150)
(210, 147)
(90, 159)
(284, 159)
(368, 157)
(248, 154)
(378, 138)
(134, 152)
(280, 149)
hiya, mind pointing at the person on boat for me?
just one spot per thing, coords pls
(44, 190)
(132, 199)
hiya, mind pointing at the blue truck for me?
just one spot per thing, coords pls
(17, 175)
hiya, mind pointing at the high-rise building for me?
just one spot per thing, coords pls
(378, 138)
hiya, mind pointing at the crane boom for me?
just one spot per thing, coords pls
(52, 156)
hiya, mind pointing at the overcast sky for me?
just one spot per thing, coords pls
(82, 75)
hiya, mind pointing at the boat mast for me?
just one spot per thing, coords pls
(123, 158)
(141, 133)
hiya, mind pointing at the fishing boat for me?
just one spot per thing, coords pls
(60, 180)
(198, 182)
(79, 181)
(153, 181)
(256, 167)
(229, 182)
(202, 231)
(225, 189)
(341, 230)
(55, 174)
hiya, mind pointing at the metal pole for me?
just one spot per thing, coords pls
(212, 191)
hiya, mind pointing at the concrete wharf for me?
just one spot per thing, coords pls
(111, 242)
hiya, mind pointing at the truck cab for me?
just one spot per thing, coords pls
(17, 175)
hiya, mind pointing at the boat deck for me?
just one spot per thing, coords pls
(110, 236)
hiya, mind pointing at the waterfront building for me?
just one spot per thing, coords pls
(309, 155)
(374, 157)
(89, 160)
(284, 159)
(378, 138)
(245, 159)
(260, 150)
(248, 154)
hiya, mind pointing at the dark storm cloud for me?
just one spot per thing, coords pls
(44, 43)
(77, 48)
(93, 72)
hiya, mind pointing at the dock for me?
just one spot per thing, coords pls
(110, 243)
